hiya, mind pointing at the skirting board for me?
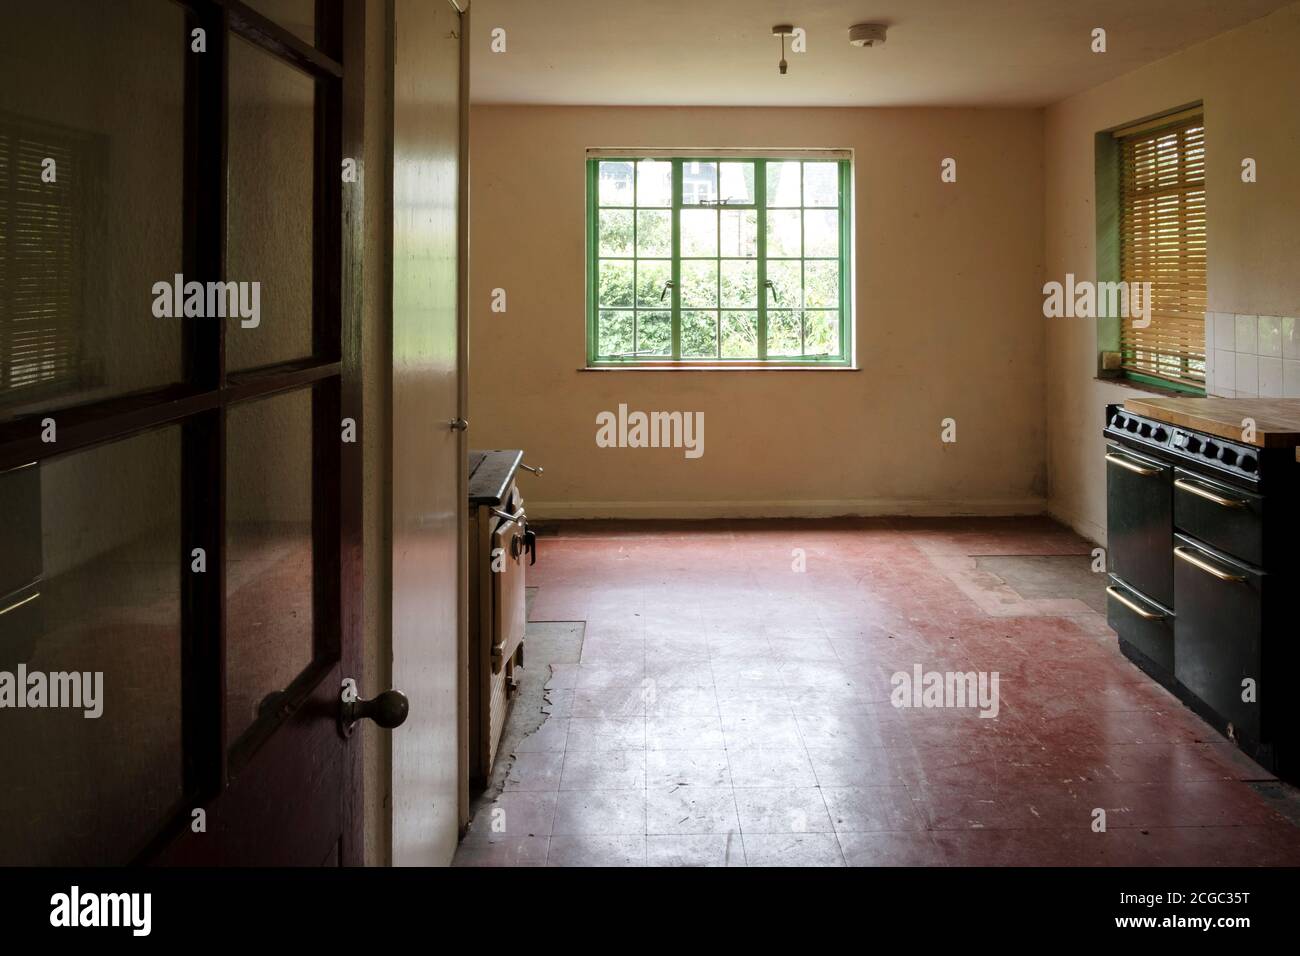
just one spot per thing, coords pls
(857, 508)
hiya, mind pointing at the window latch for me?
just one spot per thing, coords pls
(771, 288)
(667, 285)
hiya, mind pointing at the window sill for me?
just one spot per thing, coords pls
(720, 368)
(1144, 387)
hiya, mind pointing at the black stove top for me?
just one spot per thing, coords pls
(1238, 459)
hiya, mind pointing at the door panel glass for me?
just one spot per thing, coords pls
(269, 591)
(90, 626)
(296, 16)
(269, 208)
(91, 129)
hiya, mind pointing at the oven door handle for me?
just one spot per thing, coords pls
(1183, 554)
(1133, 606)
(1132, 466)
(1209, 495)
(518, 515)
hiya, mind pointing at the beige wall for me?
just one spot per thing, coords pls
(948, 324)
(1248, 79)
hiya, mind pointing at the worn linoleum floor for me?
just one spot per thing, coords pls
(731, 706)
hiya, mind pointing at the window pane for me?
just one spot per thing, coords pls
(269, 205)
(699, 183)
(654, 183)
(783, 233)
(699, 284)
(821, 185)
(739, 283)
(615, 282)
(737, 186)
(786, 289)
(90, 587)
(654, 233)
(821, 284)
(616, 232)
(699, 335)
(269, 580)
(740, 335)
(296, 16)
(97, 89)
(783, 332)
(699, 232)
(615, 184)
(654, 334)
(783, 184)
(821, 333)
(821, 233)
(615, 334)
(652, 275)
(739, 231)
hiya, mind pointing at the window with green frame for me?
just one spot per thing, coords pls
(718, 260)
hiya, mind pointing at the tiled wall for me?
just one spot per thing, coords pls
(1252, 355)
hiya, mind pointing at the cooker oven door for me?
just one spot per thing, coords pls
(1140, 522)
(1218, 633)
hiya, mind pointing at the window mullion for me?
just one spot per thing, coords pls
(760, 209)
(677, 260)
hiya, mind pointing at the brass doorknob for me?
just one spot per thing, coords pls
(388, 709)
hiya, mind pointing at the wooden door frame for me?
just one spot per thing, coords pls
(198, 403)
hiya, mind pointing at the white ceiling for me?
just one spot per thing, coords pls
(722, 53)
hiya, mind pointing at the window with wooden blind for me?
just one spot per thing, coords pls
(41, 256)
(1162, 241)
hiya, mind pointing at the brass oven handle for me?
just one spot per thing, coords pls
(1184, 555)
(1135, 468)
(509, 517)
(1209, 495)
(1133, 606)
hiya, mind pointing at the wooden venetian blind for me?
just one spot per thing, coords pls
(1162, 241)
(40, 258)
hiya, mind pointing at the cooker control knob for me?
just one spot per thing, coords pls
(1132, 424)
(1211, 450)
(1160, 435)
(1144, 430)
(1229, 457)
(1249, 463)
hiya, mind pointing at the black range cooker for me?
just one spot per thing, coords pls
(1203, 558)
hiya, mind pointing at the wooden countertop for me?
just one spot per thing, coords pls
(1277, 420)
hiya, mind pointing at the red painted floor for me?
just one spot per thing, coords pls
(732, 710)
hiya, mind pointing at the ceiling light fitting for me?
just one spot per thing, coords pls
(783, 30)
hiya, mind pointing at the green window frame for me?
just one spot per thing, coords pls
(719, 260)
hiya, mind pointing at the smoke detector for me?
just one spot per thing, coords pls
(866, 34)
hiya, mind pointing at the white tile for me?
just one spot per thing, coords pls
(1247, 378)
(1270, 377)
(1270, 335)
(1225, 370)
(1247, 334)
(1291, 378)
(1210, 318)
(1225, 332)
(1290, 337)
